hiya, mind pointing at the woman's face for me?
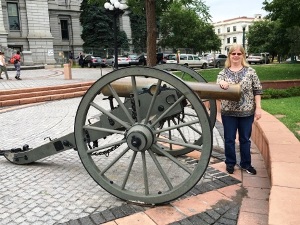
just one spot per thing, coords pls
(236, 56)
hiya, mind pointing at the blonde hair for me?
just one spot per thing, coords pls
(234, 47)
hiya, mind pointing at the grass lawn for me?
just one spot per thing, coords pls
(287, 110)
(283, 71)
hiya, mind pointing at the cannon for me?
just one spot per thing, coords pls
(143, 121)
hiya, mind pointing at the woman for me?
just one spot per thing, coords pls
(3, 65)
(239, 115)
(17, 65)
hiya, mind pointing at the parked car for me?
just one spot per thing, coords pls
(122, 61)
(297, 59)
(192, 61)
(133, 60)
(142, 58)
(216, 60)
(93, 61)
(171, 58)
(258, 58)
(160, 58)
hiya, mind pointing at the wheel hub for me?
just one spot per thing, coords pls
(140, 137)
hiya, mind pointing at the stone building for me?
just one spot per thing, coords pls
(232, 30)
(43, 30)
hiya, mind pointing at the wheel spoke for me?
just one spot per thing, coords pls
(116, 96)
(145, 173)
(195, 147)
(179, 130)
(126, 125)
(136, 99)
(152, 102)
(172, 158)
(89, 127)
(176, 126)
(114, 161)
(168, 110)
(160, 169)
(128, 170)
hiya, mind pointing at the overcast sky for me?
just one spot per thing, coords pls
(228, 9)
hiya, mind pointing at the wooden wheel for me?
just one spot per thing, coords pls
(123, 114)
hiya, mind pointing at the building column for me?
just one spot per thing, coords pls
(39, 37)
(3, 33)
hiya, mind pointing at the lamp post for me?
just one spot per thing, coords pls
(244, 28)
(117, 8)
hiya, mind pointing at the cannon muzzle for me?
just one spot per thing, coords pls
(204, 90)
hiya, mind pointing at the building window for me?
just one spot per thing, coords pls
(64, 29)
(219, 31)
(228, 40)
(228, 29)
(13, 16)
(234, 39)
(234, 28)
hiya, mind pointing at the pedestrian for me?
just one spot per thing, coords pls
(17, 64)
(3, 65)
(238, 116)
(71, 58)
(80, 61)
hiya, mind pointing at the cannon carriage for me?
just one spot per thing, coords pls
(152, 120)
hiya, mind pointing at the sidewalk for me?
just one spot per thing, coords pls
(58, 190)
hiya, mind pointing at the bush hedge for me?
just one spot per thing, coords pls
(281, 93)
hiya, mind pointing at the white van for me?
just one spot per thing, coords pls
(192, 61)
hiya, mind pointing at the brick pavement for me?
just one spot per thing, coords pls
(58, 189)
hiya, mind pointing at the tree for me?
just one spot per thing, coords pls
(182, 27)
(97, 27)
(139, 32)
(267, 36)
(154, 8)
(288, 12)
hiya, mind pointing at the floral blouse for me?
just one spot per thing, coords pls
(250, 86)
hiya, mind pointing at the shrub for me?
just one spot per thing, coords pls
(281, 93)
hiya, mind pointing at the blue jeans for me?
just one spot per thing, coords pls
(18, 68)
(243, 125)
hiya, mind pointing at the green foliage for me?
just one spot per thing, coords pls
(97, 26)
(293, 34)
(139, 32)
(285, 11)
(281, 93)
(286, 14)
(182, 27)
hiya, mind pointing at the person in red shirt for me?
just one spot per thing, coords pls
(17, 65)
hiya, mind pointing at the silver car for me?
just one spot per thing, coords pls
(216, 60)
(122, 61)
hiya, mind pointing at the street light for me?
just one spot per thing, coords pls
(117, 8)
(244, 28)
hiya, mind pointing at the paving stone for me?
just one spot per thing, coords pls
(227, 221)
(108, 215)
(185, 222)
(97, 218)
(196, 220)
(86, 221)
(206, 217)
(117, 211)
(212, 213)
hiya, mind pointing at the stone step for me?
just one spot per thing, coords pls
(41, 94)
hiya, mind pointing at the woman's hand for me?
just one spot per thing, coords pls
(224, 85)
(257, 114)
